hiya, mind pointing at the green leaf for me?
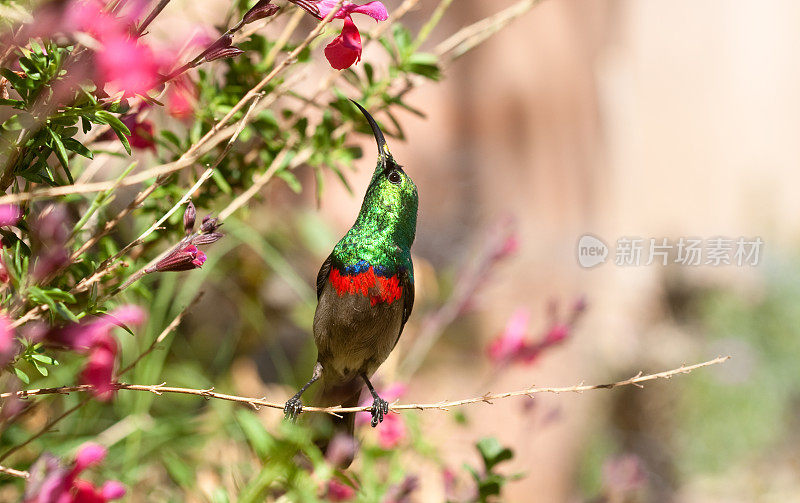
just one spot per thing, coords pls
(44, 359)
(78, 147)
(22, 376)
(493, 452)
(60, 151)
(425, 64)
(257, 437)
(42, 370)
(120, 129)
(12, 103)
(19, 84)
(291, 180)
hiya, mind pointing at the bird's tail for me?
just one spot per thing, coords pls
(346, 395)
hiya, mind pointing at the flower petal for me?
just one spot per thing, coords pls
(376, 10)
(89, 454)
(112, 490)
(345, 50)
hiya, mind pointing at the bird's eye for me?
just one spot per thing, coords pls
(395, 177)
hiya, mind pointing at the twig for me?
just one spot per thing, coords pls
(14, 473)
(257, 403)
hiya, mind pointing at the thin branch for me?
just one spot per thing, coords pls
(257, 403)
(14, 473)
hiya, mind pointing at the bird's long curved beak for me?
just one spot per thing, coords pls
(383, 148)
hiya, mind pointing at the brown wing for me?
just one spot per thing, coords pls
(322, 275)
(408, 300)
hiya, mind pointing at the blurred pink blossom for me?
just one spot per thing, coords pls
(94, 338)
(127, 65)
(50, 482)
(512, 340)
(512, 345)
(9, 215)
(622, 475)
(7, 340)
(375, 10)
(181, 98)
(392, 431)
(338, 491)
(142, 132)
(345, 50)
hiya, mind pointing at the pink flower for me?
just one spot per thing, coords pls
(183, 259)
(392, 431)
(7, 340)
(512, 341)
(556, 334)
(90, 454)
(94, 338)
(99, 370)
(9, 215)
(338, 491)
(51, 482)
(512, 346)
(181, 98)
(142, 133)
(375, 10)
(345, 50)
(127, 65)
(85, 492)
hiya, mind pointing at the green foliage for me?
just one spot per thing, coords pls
(490, 483)
(44, 128)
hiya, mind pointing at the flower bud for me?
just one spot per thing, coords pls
(188, 218)
(209, 224)
(259, 11)
(225, 52)
(207, 239)
(184, 259)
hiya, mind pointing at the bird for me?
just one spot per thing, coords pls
(365, 292)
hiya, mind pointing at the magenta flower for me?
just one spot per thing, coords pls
(7, 340)
(512, 345)
(94, 338)
(123, 62)
(9, 215)
(345, 50)
(142, 133)
(512, 340)
(50, 482)
(393, 429)
(127, 66)
(338, 491)
(181, 98)
(183, 259)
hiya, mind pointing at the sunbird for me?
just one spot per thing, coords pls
(365, 291)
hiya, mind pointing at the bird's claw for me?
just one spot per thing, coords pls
(380, 407)
(293, 408)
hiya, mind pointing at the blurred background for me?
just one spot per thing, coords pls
(616, 118)
(654, 119)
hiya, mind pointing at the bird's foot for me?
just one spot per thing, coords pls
(379, 408)
(293, 408)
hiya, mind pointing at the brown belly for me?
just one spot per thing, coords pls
(353, 334)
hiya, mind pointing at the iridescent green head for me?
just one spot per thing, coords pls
(390, 204)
